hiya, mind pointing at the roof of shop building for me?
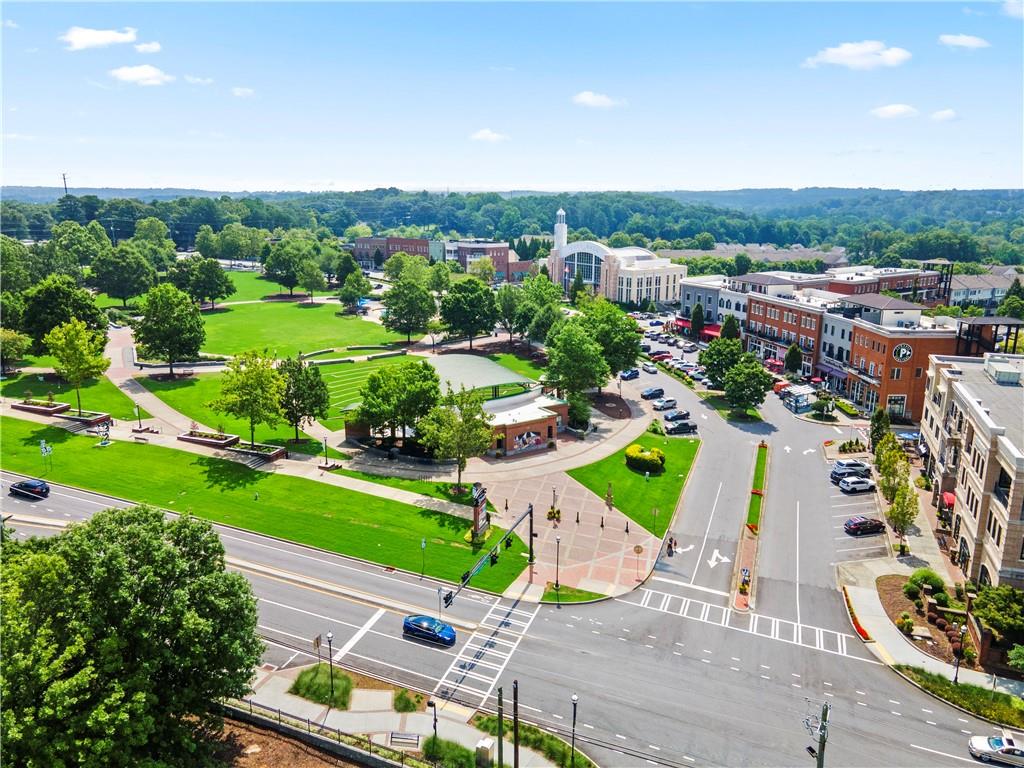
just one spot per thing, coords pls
(880, 301)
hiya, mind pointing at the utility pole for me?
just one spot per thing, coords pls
(501, 729)
(822, 732)
(515, 724)
(65, 177)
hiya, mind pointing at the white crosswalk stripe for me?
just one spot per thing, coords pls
(484, 656)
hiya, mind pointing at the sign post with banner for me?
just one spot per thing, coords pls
(481, 518)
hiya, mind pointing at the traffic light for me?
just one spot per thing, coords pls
(508, 542)
(465, 576)
(494, 556)
(449, 596)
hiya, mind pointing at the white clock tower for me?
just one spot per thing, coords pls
(561, 231)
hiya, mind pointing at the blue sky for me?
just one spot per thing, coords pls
(514, 96)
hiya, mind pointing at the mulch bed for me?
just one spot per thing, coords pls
(611, 405)
(246, 746)
(890, 592)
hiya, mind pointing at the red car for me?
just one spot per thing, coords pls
(661, 356)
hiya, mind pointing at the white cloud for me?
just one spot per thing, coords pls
(143, 74)
(80, 38)
(867, 54)
(193, 80)
(944, 115)
(153, 47)
(486, 134)
(596, 100)
(243, 93)
(18, 137)
(964, 41)
(10, 24)
(894, 110)
(1014, 8)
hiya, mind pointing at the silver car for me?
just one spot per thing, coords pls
(665, 404)
(999, 749)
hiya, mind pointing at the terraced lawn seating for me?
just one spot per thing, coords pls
(344, 380)
(636, 496)
(97, 394)
(529, 368)
(287, 328)
(305, 511)
(190, 397)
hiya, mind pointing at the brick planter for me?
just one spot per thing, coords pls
(44, 407)
(270, 452)
(212, 439)
(89, 418)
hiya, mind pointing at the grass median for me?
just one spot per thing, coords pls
(757, 499)
(300, 510)
(566, 594)
(982, 701)
(636, 496)
(725, 409)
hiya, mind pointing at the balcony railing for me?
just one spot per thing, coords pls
(1002, 494)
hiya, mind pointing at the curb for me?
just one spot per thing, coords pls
(950, 703)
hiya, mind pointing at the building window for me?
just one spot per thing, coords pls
(917, 373)
(895, 373)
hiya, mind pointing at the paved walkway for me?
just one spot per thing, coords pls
(371, 713)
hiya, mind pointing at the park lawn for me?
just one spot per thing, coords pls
(97, 394)
(103, 301)
(717, 401)
(37, 361)
(286, 328)
(516, 364)
(252, 286)
(636, 496)
(190, 396)
(438, 489)
(344, 380)
(292, 508)
(566, 594)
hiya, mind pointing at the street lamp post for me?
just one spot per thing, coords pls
(138, 415)
(572, 751)
(330, 661)
(433, 707)
(558, 553)
(956, 670)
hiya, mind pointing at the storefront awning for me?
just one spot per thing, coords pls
(828, 369)
(712, 330)
(948, 499)
(680, 323)
(817, 380)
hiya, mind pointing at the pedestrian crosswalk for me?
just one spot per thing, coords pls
(768, 627)
(475, 671)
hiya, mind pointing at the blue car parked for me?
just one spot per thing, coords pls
(632, 373)
(428, 628)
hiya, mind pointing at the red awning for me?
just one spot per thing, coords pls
(712, 330)
(948, 499)
(682, 323)
(817, 380)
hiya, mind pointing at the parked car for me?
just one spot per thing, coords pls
(30, 489)
(680, 428)
(1000, 749)
(653, 323)
(854, 484)
(664, 404)
(629, 375)
(652, 393)
(689, 346)
(649, 368)
(428, 628)
(645, 347)
(698, 376)
(661, 357)
(859, 526)
(690, 365)
(838, 473)
(675, 415)
(850, 463)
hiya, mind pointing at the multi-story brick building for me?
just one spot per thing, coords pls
(920, 285)
(973, 425)
(465, 252)
(774, 323)
(372, 252)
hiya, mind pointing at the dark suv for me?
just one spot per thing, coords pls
(652, 393)
(680, 428)
(858, 526)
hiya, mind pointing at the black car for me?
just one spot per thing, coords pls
(652, 393)
(31, 489)
(858, 526)
(838, 473)
(675, 415)
(680, 428)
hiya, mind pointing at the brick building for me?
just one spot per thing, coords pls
(465, 252)
(371, 252)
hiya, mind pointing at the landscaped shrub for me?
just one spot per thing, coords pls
(911, 590)
(448, 754)
(641, 460)
(932, 617)
(656, 428)
(942, 599)
(552, 747)
(923, 576)
(970, 655)
(919, 605)
(315, 684)
(579, 411)
(846, 408)
(994, 705)
(852, 446)
(407, 702)
(941, 623)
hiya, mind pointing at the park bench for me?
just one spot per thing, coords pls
(140, 438)
(405, 740)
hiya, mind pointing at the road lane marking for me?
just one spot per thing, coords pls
(796, 558)
(962, 720)
(359, 635)
(620, 736)
(707, 531)
(927, 710)
(891, 712)
(735, 669)
(860, 549)
(585, 725)
(944, 754)
(893, 701)
(931, 722)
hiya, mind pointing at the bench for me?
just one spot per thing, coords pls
(405, 740)
(941, 540)
(140, 438)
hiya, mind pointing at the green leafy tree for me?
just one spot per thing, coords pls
(743, 263)
(353, 289)
(252, 389)
(1011, 306)
(346, 266)
(71, 238)
(747, 383)
(508, 300)
(440, 278)
(209, 281)
(206, 242)
(435, 329)
(730, 328)
(483, 269)
(123, 272)
(575, 360)
(880, 426)
(380, 399)
(794, 359)
(410, 266)
(305, 397)
(468, 309)
(170, 327)
(458, 428)
(1001, 608)
(153, 239)
(14, 265)
(1015, 657)
(613, 330)
(1016, 290)
(287, 257)
(697, 322)
(577, 287)
(541, 321)
(705, 241)
(902, 512)
(13, 346)
(719, 358)
(54, 301)
(356, 230)
(409, 307)
(893, 469)
(420, 390)
(79, 354)
(311, 277)
(121, 634)
(539, 291)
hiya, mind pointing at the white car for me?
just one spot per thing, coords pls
(1000, 749)
(649, 368)
(689, 364)
(854, 484)
(665, 404)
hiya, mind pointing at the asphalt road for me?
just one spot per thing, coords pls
(665, 675)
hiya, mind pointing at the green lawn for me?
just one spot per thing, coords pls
(994, 705)
(314, 684)
(726, 411)
(250, 286)
(634, 495)
(756, 501)
(189, 396)
(344, 380)
(516, 364)
(292, 508)
(97, 394)
(37, 361)
(287, 328)
(566, 594)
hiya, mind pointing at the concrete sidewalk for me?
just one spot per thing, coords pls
(371, 713)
